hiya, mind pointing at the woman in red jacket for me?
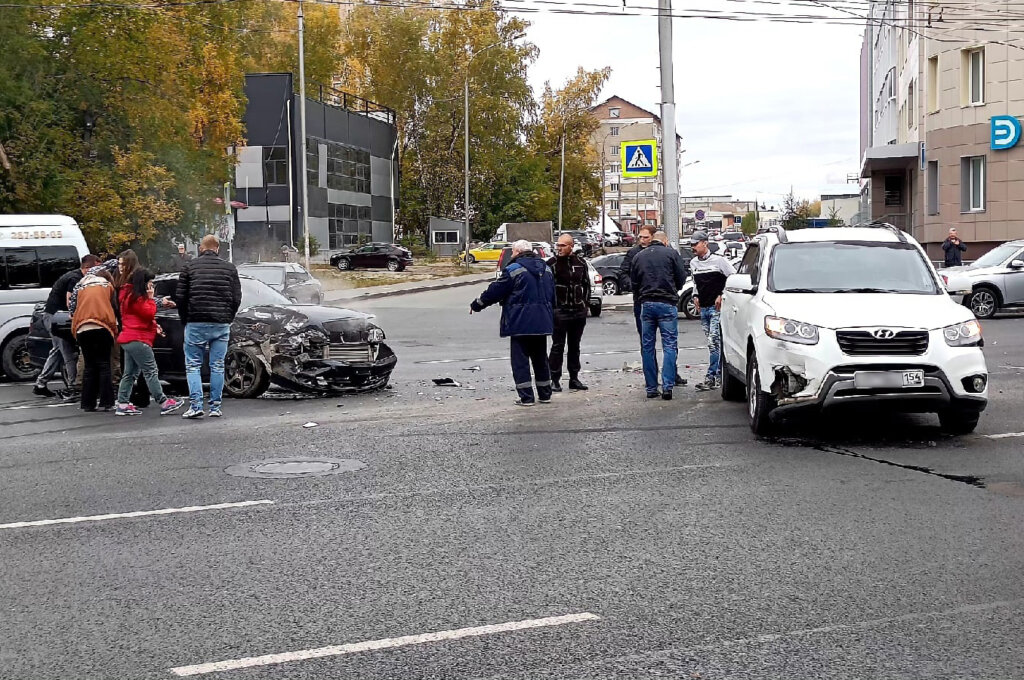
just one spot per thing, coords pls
(138, 331)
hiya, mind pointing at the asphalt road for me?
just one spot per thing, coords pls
(612, 536)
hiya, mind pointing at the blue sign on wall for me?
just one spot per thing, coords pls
(1005, 132)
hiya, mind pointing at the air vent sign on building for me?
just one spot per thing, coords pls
(640, 158)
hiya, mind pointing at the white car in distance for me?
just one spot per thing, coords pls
(833, 317)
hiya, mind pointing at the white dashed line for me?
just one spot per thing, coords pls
(125, 515)
(28, 406)
(1005, 435)
(387, 643)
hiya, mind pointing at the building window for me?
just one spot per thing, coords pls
(972, 184)
(348, 225)
(911, 106)
(975, 60)
(275, 166)
(348, 168)
(933, 84)
(614, 132)
(614, 112)
(613, 205)
(891, 83)
(614, 186)
(933, 187)
(442, 237)
(893, 190)
(312, 162)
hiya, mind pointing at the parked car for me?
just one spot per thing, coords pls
(834, 317)
(626, 238)
(388, 256)
(583, 240)
(287, 278)
(731, 236)
(307, 348)
(485, 252)
(608, 267)
(687, 306)
(997, 280)
(543, 250)
(611, 238)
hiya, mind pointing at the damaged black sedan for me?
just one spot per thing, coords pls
(304, 348)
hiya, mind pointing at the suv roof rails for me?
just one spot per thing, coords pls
(884, 225)
(779, 231)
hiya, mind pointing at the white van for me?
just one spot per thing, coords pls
(35, 250)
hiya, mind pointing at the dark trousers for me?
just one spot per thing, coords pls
(96, 381)
(530, 350)
(570, 330)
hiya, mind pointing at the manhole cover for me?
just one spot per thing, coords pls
(288, 468)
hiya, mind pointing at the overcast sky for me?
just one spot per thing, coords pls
(761, 105)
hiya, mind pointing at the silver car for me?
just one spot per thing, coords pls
(997, 280)
(287, 278)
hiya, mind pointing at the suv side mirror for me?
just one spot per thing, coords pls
(1017, 264)
(740, 283)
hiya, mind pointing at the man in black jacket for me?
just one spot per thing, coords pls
(208, 297)
(572, 291)
(625, 280)
(658, 274)
(953, 248)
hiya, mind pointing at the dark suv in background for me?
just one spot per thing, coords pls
(388, 256)
(588, 246)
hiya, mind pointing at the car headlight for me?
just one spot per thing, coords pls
(375, 336)
(790, 331)
(966, 334)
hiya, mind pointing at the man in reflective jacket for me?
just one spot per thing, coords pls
(526, 292)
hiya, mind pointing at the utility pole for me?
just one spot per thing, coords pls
(670, 163)
(561, 179)
(465, 156)
(302, 133)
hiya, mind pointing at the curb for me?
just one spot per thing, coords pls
(406, 291)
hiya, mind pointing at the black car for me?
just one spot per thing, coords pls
(608, 267)
(307, 348)
(373, 255)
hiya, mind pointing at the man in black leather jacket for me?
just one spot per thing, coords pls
(572, 292)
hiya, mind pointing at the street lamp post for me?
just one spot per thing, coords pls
(302, 133)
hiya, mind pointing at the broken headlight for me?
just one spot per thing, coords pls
(790, 331)
(967, 334)
(375, 336)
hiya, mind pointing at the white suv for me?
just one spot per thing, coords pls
(821, 318)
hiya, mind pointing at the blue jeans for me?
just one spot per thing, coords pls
(711, 322)
(138, 358)
(199, 336)
(659, 316)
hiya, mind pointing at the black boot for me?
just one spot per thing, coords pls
(556, 386)
(575, 384)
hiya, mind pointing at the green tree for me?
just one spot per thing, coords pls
(749, 224)
(834, 220)
(796, 212)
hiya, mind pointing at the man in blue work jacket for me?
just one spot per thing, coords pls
(526, 293)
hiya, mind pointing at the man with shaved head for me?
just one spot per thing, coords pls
(572, 292)
(526, 292)
(659, 273)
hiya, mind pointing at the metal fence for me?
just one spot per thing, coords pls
(326, 94)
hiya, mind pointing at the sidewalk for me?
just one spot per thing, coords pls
(352, 294)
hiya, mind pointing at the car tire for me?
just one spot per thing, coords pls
(394, 265)
(595, 310)
(759, 404)
(469, 258)
(344, 264)
(959, 421)
(610, 287)
(245, 376)
(732, 388)
(686, 307)
(984, 302)
(15, 360)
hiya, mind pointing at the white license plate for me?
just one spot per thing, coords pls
(888, 379)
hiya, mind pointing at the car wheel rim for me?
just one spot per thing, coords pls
(691, 309)
(982, 303)
(240, 372)
(23, 360)
(609, 288)
(392, 266)
(753, 388)
(342, 264)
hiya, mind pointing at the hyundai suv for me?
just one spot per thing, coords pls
(825, 318)
(996, 280)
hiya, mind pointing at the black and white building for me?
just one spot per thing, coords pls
(351, 168)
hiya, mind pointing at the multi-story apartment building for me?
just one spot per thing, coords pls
(930, 89)
(630, 202)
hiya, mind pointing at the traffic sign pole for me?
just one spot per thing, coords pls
(670, 213)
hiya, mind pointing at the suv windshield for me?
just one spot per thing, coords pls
(996, 256)
(850, 267)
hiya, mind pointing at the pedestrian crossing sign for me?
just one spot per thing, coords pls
(640, 158)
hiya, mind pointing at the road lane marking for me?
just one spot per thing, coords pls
(28, 406)
(1004, 435)
(585, 354)
(139, 513)
(386, 643)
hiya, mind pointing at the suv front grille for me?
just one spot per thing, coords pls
(863, 343)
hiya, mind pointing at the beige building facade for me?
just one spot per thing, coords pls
(928, 97)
